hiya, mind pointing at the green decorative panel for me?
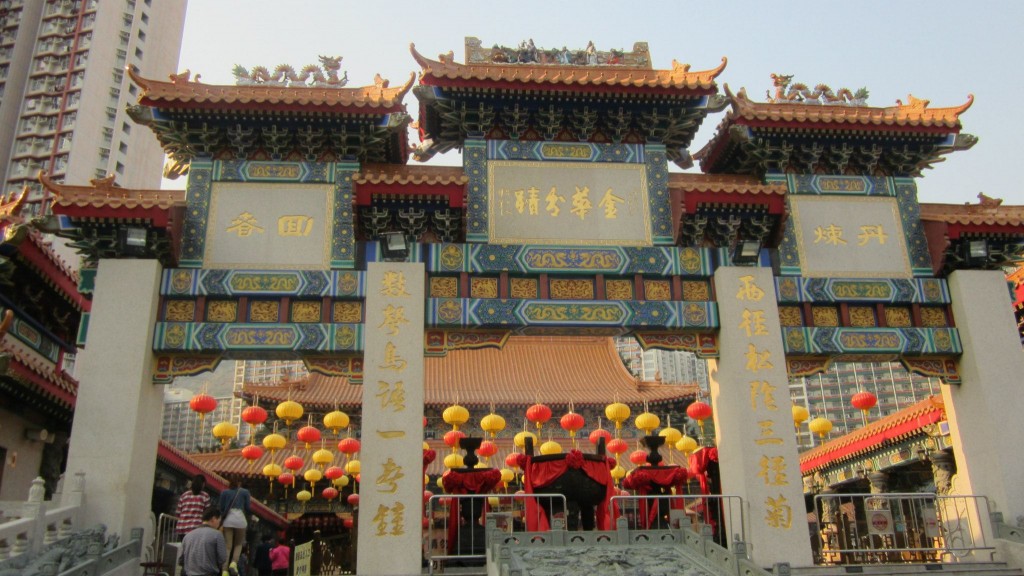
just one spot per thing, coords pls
(474, 162)
(519, 314)
(808, 341)
(528, 259)
(181, 282)
(246, 338)
(897, 290)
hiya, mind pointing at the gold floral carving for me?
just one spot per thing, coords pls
(264, 311)
(347, 313)
(790, 316)
(933, 317)
(483, 287)
(180, 311)
(524, 288)
(576, 289)
(825, 316)
(897, 317)
(306, 311)
(441, 287)
(696, 291)
(619, 289)
(657, 290)
(862, 316)
(222, 311)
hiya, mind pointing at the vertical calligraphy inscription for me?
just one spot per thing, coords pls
(392, 487)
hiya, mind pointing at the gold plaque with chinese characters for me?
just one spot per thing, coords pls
(277, 226)
(568, 203)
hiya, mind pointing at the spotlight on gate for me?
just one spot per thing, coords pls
(394, 247)
(132, 240)
(746, 253)
(975, 252)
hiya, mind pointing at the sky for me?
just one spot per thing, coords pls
(937, 50)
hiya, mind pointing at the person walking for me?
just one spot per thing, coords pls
(191, 506)
(203, 552)
(262, 559)
(234, 505)
(280, 558)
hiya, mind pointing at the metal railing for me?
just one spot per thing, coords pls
(456, 534)
(724, 514)
(901, 528)
(166, 533)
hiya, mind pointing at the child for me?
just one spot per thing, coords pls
(280, 557)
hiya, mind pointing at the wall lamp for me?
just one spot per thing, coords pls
(394, 247)
(746, 253)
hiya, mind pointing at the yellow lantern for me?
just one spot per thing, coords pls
(618, 473)
(550, 447)
(426, 479)
(686, 445)
(224, 432)
(271, 470)
(425, 445)
(274, 442)
(800, 415)
(820, 426)
(335, 421)
(303, 496)
(455, 415)
(618, 413)
(340, 481)
(520, 439)
(507, 476)
(647, 422)
(440, 483)
(671, 435)
(453, 460)
(492, 424)
(323, 457)
(353, 467)
(289, 411)
(313, 475)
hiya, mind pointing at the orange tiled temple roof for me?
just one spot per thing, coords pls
(104, 194)
(974, 214)
(409, 174)
(679, 77)
(181, 90)
(33, 368)
(915, 113)
(725, 184)
(548, 369)
(893, 427)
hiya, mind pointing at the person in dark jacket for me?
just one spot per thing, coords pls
(261, 561)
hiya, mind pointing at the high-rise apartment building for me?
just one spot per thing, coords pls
(670, 367)
(63, 89)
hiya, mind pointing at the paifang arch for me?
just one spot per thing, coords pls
(800, 242)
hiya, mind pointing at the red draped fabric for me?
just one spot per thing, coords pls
(481, 481)
(649, 480)
(699, 461)
(537, 475)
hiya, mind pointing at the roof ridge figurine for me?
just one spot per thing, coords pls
(285, 76)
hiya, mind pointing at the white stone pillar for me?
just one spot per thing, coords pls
(984, 411)
(753, 419)
(118, 410)
(391, 493)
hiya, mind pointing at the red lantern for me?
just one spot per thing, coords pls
(330, 493)
(293, 462)
(638, 457)
(452, 437)
(617, 446)
(699, 411)
(333, 473)
(348, 523)
(538, 414)
(286, 479)
(252, 453)
(596, 435)
(254, 415)
(427, 495)
(348, 446)
(487, 449)
(308, 434)
(202, 403)
(571, 422)
(353, 499)
(512, 460)
(864, 401)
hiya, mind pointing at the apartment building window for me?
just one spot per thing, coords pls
(138, 53)
(120, 168)
(132, 90)
(125, 37)
(142, 36)
(126, 128)
(122, 148)
(145, 18)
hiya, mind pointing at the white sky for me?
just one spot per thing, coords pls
(938, 50)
